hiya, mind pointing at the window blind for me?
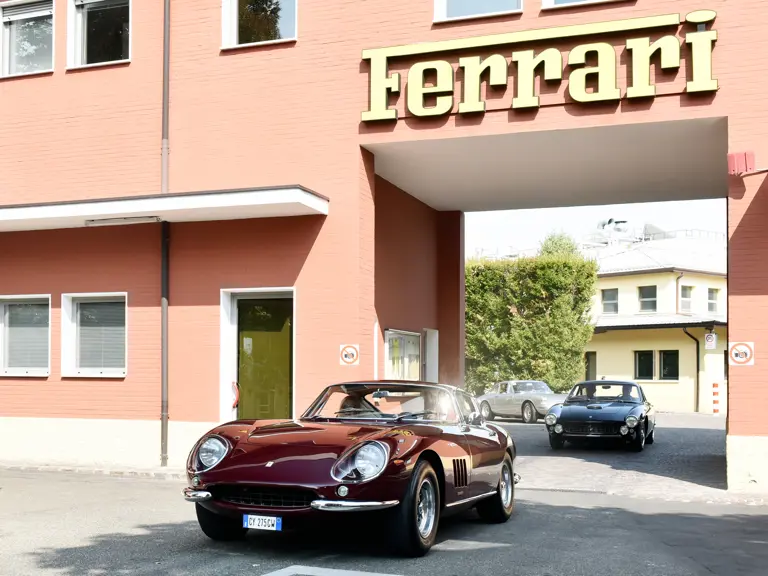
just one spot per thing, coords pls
(101, 335)
(27, 335)
(44, 8)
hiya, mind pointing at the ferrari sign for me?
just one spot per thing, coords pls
(741, 354)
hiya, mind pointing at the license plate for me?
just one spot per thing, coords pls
(262, 522)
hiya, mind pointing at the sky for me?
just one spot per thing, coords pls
(500, 232)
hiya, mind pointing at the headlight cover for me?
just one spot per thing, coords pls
(631, 421)
(361, 464)
(550, 419)
(210, 453)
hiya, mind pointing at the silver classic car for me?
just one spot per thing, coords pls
(528, 399)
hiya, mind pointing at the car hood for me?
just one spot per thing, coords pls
(301, 452)
(595, 411)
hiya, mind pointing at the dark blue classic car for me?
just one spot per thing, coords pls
(604, 410)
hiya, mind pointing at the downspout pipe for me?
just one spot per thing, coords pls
(165, 240)
(698, 369)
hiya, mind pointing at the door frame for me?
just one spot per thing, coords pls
(228, 344)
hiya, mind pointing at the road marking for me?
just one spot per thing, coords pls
(312, 571)
(460, 545)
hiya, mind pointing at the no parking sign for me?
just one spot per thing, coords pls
(710, 341)
(741, 354)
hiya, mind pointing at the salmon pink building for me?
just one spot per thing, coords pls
(215, 208)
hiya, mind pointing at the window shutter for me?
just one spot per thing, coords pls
(28, 10)
(27, 334)
(101, 335)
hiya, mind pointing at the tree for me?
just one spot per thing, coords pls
(259, 20)
(558, 243)
(529, 318)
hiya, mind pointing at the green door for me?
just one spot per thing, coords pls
(265, 349)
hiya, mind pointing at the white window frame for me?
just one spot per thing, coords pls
(23, 372)
(395, 333)
(716, 301)
(603, 301)
(655, 300)
(441, 11)
(75, 40)
(550, 4)
(69, 367)
(684, 300)
(229, 27)
(4, 57)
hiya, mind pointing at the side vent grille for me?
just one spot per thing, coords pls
(460, 478)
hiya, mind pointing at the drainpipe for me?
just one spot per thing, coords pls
(677, 292)
(165, 242)
(698, 369)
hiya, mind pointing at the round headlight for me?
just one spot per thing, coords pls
(370, 460)
(550, 419)
(211, 452)
(631, 421)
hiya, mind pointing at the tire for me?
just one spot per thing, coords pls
(638, 442)
(556, 441)
(485, 410)
(407, 538)
(530, 415)
(217, 527)
(651, 438)
(498, 508)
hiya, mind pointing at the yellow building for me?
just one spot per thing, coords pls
(656, 309)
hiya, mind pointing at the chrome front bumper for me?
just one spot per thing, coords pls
(351, 505)
(192, 495)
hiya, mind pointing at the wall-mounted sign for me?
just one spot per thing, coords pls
(710, 341)
(741, 354)
(349, 354)
(549, 63)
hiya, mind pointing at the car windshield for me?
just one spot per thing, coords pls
(534, 387)
(383, 401)
(595, 392)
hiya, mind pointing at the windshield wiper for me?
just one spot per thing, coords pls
(413, 414)
(354, 411)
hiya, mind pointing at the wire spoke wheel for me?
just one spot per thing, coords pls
(426, 508)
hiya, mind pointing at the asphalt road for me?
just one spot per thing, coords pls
(81, 524)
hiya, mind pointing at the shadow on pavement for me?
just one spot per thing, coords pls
(540, 539)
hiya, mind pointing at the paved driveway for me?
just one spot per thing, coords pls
(685, 463)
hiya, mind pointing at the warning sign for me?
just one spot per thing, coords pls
(741, 354)
(349, 355)
(710, 341)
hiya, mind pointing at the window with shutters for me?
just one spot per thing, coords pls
(94, 335)
(27, 38)
(254, 22)
(99, 32)
(25, 336)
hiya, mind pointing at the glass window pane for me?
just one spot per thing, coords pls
(101, 335)
(647, 292)
(106, 32)
(648, 305)
(687, 291)
(610, 307)
(713, 306)
(265, 20)
(26, 332)
(644, 365)
(459, 8)
(30, 45)
(670, 365)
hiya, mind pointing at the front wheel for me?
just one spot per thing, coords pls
(485, 410)
(530, 415)
(499, 507)
(651, 437)
(638, 442)
(218, 527)
(415, 520)
(556, 442)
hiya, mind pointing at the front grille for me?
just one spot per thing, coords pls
(263, 496)
(599, 428)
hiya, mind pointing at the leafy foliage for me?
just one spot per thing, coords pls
(259, 20)
(559, 243)
(529, 318)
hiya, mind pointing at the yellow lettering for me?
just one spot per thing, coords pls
(417, 90)
(642, 51)
(474, 68)
(701, 45)
(381, 84)
(607, 87)
(527, 63)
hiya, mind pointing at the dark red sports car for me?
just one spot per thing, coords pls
(409, 452)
